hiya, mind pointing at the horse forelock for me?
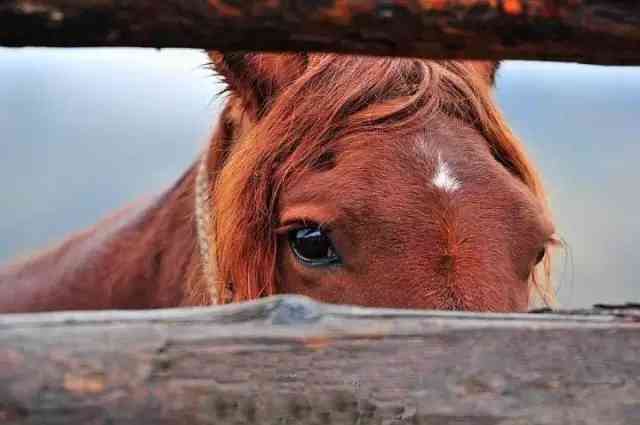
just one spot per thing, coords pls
(333, 97)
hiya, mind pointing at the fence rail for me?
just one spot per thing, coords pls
(590, 31)
(289, 360)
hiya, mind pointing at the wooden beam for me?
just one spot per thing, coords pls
(590, 31)
(288, 360)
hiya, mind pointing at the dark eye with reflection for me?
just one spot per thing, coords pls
(313, 247)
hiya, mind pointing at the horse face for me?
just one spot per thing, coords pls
(422, 211)
(429, 221)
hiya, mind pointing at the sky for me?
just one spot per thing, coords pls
(85, 131)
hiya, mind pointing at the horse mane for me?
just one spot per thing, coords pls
(335, 96)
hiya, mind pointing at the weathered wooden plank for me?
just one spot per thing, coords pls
(593, 31)
(292, 361)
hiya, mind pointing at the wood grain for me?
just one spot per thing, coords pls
(590, 31)
(289, 360)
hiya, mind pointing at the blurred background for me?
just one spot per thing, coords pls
(84, 131)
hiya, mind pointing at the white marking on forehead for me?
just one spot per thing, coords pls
(444, 178)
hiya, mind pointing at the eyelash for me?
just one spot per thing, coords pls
(300, 223)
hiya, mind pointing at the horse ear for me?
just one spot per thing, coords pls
(257, 78)
(487, 69)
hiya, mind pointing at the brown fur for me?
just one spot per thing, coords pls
(138, 258)
(349, 141)
(332, 106)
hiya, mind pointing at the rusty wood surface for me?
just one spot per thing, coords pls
(591, 31)
(288, 360)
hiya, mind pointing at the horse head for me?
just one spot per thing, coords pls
(380, 182)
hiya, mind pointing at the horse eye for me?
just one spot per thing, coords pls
(540, 256)
(313, 246)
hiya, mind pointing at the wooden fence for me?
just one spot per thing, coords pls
(288, 360)
(592, 31)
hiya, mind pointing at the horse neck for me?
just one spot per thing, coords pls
(144, 256)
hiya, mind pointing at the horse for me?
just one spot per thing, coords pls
(371, 181)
